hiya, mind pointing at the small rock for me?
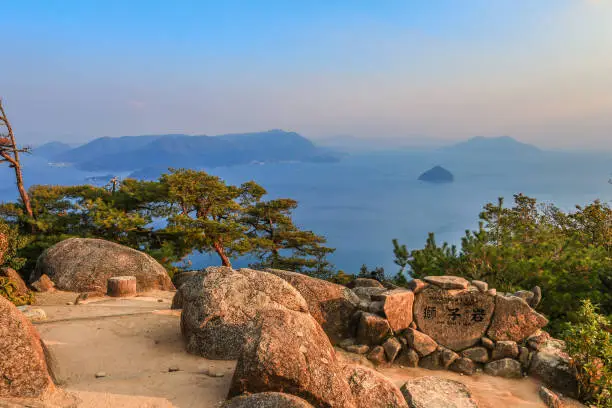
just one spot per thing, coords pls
(365, 283)
(463, 366)
(417, 285)
(482, 286)
(173, 369)
(432, 361)
(69, 303)
(160, 300)
(447, 282)
(346, 343)
(408, 358)
(413, 325)
(487, 342)
(422, 343)
(550, 398)
(526, 295)
(33, 314)
(491, 292)
(505, 349)
(376, 307)
(365, 293)
(447, 357)
(372, 329)
(524, 357)
(537, 297)
(506, 367)
(211, 372)
(392, 347)
(377, 355)
(100, 374)
(476, 354)
(358, 348)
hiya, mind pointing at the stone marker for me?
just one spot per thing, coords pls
(514, 320)
(447, 282)
(121, 286)
(456, 319)
(434, 392)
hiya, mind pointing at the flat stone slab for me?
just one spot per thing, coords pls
(456, 319)
(447, 282)
(434, 392)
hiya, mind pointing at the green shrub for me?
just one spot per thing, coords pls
(589, 343)
(8, 290)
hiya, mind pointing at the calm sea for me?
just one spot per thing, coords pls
(361, 203)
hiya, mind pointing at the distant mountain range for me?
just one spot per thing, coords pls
(502, 145)
(158, 152)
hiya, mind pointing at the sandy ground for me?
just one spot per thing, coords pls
(135, 342)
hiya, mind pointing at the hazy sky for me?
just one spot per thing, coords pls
(538, 70)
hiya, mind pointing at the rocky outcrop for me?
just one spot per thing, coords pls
(221, 304)
(372, 389)
(85, 265)
(514, 319)
(266, 400)
(23, 365)
(456, 319)
(552, 366)
(434, 392)
(287, 351)
(330, 304)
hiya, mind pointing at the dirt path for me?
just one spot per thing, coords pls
(135, 342)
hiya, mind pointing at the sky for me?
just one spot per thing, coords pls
(537, 70)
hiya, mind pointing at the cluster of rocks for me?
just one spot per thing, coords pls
(446, 322)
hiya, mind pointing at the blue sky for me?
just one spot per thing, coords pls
(538, 70)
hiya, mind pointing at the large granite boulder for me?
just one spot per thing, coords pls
(372, 389)
(397, 307)
(23, 366)
(330, 304)
(552, 366)
(220, 305)
(514, 319)
(85, 264)
(435, 392)
(266, 400)
(456, 319)
(287, 351)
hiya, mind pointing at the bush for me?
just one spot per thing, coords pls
(8, 290)
(589, 343)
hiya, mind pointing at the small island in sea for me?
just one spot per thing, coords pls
(437, 174)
